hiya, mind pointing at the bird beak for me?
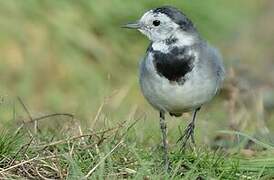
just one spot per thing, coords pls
(134, 25)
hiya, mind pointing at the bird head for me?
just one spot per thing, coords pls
(162, 23)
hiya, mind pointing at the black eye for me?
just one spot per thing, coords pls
(156, 22)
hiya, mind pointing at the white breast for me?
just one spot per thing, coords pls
(162, 94)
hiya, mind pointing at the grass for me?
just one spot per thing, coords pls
(112, 153)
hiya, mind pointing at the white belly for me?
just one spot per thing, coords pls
(173, 97)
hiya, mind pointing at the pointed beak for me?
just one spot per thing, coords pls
(134, 25)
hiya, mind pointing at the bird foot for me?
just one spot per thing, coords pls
(188, 133)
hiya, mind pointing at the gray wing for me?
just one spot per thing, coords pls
(213, 63)
(217, 63)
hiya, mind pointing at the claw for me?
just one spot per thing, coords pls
(188, 133)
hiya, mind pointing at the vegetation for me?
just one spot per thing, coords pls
(113, 153)
(71, 108)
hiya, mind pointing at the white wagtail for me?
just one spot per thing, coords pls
(180, 71)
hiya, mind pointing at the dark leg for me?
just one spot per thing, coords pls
(189, 131)
(164, 137)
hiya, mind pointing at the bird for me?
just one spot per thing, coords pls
(180, 71)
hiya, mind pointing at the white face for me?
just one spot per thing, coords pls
(157, 26)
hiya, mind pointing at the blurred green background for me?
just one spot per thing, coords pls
(72, 56)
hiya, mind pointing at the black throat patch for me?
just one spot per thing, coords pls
(173, 65)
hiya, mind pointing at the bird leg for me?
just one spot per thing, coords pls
(189, 131)
(164, 138)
